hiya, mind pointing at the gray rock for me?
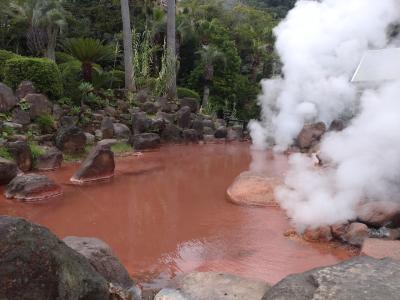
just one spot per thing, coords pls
(337, 125)
(107, 142)
(356, 233)
(235, 133)
(208, 123)
(51, 160)
(150, 108)
(90, 138)
(190, 102)
(171, 134)
(8, 170)
(71, 139)
(39, 105)
(13, 125)
(21, 116)
(199, 127)
(121, 131)
(221, 132)
(22, 154)
(58, 112)
(190, 136)
(379, 213)
(146, 141)
(140, 122)
(170, 118)
(208, 131)
(7, 98)
(107, 128)
(122, 105)
(25, 88)
(98, 134)
(101, 257)
(110, 111)
(37, 265)
(310, 135)
(32, 187)
(67, 121)
(183, 117)
(215, 286)
(359, 278)
(98, 165)
(142, 95)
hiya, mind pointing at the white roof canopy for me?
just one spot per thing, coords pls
(378, 65)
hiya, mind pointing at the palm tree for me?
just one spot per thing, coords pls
(209, 55)
(45, 19)
(128, 51)
(171, 44)
(88, 51)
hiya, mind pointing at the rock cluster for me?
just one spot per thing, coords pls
(37, 265)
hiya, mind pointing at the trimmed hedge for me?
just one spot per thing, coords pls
(187, 93)
(44, 74)
(4, 56)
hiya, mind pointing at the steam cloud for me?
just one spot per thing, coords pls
(320, 44)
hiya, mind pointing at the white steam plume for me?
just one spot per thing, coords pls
(320, 44)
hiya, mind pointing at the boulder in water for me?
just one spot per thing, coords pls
(98, 165)
(35, 264)
(380, 248)
(32, 187)
(356, 233)
(320, 234)
(216, 286)
(359, 278)
(254, 189)
(379, 213)
(310, 135)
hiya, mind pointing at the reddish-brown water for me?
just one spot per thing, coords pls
(165, 213)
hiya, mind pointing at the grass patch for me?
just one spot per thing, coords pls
(4, 153)
(36, 151)
(121, 148)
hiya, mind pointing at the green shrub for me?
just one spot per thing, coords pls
(44, 74)
(4, 153)
(4, 56)
(187, 93)
(46, 123)
(71, 74)
(121, 148)
(36, 151)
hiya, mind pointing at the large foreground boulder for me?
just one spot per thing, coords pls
(98, 165)
(8, 170)
(7, 98)
(71, 139)
(32, 187)
(360, 278)
(35, 264)
(145, 141)
(215, 286)
(104, 261)
(310, 135)
(251, 188)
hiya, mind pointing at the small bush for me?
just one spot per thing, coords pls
(4, 56)
(4, 153)
(187, 93)
(7, 132)
(46, 123)
(71, 74)
(44, 74)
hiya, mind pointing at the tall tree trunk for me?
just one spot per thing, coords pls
(171, 43)
(128, 52)
(206, 95)
(51, 43)
(87, 71)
